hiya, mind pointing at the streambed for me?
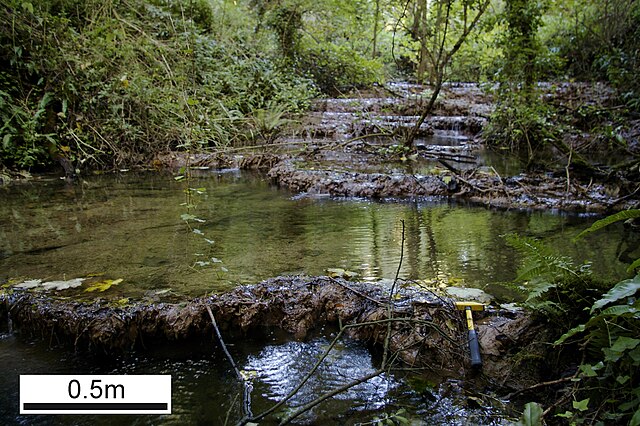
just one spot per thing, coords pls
(133, 227)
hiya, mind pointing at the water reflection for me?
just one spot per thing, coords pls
(243, 230)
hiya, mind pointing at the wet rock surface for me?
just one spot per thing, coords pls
(351, 158)
(427, 330)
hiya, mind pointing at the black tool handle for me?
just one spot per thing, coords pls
(474, 348)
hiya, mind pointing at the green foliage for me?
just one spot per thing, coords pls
(532, 415)
(599, 40)
(603, 324)
(610, 337)
(558, 289)
(112, 84)
(625, 215)
(617, 217)
(336, 68)
(521, 125)
(521, 121)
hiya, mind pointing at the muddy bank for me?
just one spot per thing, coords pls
(429, 332)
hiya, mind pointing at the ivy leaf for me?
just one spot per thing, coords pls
(590, 370)
(621, 345)
(581, 405)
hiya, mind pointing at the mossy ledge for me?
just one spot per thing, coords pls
(427, 332)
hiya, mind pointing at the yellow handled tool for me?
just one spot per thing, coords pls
(474, 346)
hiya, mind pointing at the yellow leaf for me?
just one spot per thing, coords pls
(103, 285)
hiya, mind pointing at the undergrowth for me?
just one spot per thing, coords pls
(111, 84)
(598, 327)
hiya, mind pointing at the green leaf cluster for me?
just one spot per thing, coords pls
(111, 84)
(603, 323)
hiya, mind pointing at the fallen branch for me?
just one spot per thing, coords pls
(541, 385)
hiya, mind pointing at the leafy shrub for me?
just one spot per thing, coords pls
(336, 69)
(602, 324)
(112, 84)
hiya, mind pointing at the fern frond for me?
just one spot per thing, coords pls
(527, 246)
(538, 290)
(617, 217)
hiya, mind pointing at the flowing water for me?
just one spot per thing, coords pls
(231, 228)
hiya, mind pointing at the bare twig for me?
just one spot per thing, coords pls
(541, 385)
(359, 293)
(387, 340)
(246, 402)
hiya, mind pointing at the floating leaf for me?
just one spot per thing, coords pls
(63, 285)
(50, 285)
(341, 273)
(103, 285)
(28, 284)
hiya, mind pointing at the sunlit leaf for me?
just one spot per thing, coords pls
(103, 285)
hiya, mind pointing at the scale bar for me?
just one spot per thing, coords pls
(133, 406)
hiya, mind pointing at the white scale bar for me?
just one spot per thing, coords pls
(95, 394)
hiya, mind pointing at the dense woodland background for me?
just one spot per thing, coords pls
(110, 83)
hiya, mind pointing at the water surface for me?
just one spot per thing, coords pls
(236, 228)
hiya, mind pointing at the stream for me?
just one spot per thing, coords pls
(170, 239)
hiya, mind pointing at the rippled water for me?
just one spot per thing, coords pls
(205, 389)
